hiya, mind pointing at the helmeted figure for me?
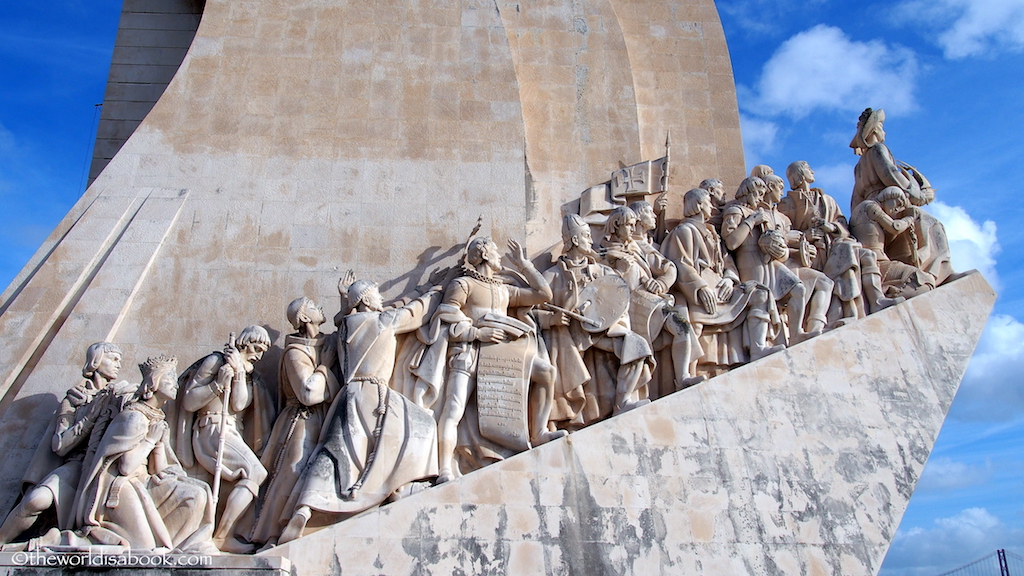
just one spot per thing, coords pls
(597, 371)
(734, 320)
(376, 440)
(307, 386)
(217, 396)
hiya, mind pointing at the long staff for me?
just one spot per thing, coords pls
(219, 466)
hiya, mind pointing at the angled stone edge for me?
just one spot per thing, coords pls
(800, 463)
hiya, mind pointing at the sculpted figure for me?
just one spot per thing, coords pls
(475, 306)
(760, 171)
(802, 255)
(55, 471)
(876, 222)
(598, 369)
(853, 269)
(307, 388)
(134, 491)
(653, 313)
(760, 252)
(877, 170)
(376, 440)
(217, 393)
(735, 320)
(716, 189)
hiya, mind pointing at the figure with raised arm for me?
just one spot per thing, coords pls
(376, 441)
(475, 307)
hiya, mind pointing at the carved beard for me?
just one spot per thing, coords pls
(494, 263)
(589, 253)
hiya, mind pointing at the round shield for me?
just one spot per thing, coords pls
(603, 302)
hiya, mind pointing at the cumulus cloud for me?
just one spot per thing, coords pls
(758, 135)
(823, 69)
(949, 543)
(944, 474)
(971, 245)
(991, 390)
(964, 28)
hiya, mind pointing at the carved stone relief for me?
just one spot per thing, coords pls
(486, 360)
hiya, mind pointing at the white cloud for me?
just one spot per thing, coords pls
(970, 27)
(823, 69)
(945, 474)
(758, 136)
(949, 543)
(991, 390)
(971, 245)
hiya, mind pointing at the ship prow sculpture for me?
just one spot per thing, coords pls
(799, 463)
(632, 376)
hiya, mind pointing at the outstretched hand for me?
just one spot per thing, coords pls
(345, 281)
(517, 254)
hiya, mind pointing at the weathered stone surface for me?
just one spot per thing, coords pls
(296, 141)
(800, 463)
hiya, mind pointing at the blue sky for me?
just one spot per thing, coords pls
(947, 72)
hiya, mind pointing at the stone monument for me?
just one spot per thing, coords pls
(645, 381)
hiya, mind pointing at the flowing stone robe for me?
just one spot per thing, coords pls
(803, 208)
(296, 431)
(585, 362)
(142, 507)
(57, 463)
(352, 451)
(696, 249)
